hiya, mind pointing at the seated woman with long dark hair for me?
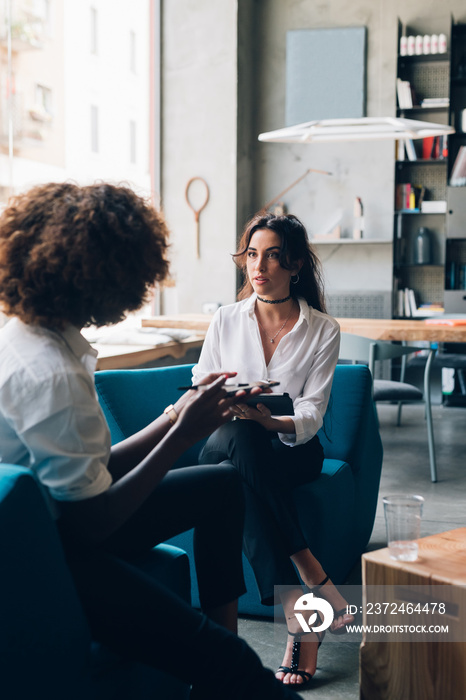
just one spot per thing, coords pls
(279, 330)
(73, 256)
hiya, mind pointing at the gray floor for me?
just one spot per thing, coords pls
(405, 469)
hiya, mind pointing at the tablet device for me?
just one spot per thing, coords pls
(278, 404)
(263, 384)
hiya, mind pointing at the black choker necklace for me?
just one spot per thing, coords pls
(274, 301)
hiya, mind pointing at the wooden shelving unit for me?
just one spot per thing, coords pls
(433, 76)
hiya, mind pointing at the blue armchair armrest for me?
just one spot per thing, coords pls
(46, 649)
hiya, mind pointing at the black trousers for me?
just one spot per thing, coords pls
(269, 471)
(135, 616)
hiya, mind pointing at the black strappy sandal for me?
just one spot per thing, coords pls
(295, 654)
(336, 613)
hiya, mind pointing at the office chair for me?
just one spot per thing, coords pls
(451, 356)
(360, 349)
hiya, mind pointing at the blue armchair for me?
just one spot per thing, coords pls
(46, 648)
(337, 510)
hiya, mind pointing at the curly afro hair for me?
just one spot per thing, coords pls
(80, 255)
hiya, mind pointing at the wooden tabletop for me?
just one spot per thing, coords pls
(431, 666)
(197, 322)
(129, 356)
(377, 328)
(441, 559)
(389, 329)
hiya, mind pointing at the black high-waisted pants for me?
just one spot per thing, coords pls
(135, 616)
(269, 471)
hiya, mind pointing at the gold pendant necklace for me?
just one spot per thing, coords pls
(272, 340)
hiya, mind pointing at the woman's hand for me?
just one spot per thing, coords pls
(260, 413)
(209, 379)
(202, 411)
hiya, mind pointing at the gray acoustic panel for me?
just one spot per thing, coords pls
(359, 304)
(362, 304)
(325, 74)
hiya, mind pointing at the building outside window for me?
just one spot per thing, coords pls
(41, 8)
(43, 108)
(59, 102)
(94, 31)
(94, 129)
(132, 141)
(132, 51)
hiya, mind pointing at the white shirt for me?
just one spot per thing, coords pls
(50, 418)
(303, 362)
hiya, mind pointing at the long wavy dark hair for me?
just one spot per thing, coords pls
(295, 246)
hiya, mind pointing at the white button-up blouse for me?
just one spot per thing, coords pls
(303, 362)
(50, 418)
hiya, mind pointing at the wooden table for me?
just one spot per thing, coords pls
(377, 328)
(421, 670)
(195, 322)
(128, 356)
(389, 329)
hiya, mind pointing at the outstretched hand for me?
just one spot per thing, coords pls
(209, 379)
(202, 411)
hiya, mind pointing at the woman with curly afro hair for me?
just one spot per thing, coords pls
(70, 257)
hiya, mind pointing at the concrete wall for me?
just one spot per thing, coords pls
(223, 84)
(359, 170)
(199, 123)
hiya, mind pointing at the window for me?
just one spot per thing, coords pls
(132, 141)
(132, 51)
(94, 129)
(41, 9)
(94, 30)
(42, 103)
(67, 113)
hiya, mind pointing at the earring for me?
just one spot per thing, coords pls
(294, 281)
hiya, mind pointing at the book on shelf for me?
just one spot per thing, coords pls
(403, 302)
(458, 172)
(436, 206)
(435, 147)
(412, 302)
(409, 197)
(427, 146)
(410, 149)
(435, 102)
(443, 146)
(405, 94)
(407, 305)
(406, 302)
(432, 309)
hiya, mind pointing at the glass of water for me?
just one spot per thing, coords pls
(403, 521)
